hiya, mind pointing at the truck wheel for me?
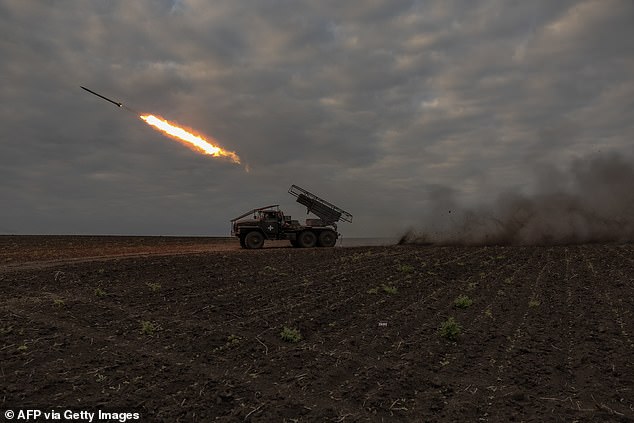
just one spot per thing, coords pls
(307, 239)
(327, 239)
(254, 240)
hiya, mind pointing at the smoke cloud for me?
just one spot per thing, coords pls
(592, 200)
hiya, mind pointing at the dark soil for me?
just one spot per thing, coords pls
(197, 337)
(20, 249)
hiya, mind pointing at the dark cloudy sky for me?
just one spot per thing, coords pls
(375, 105)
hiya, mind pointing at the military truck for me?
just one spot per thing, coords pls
(270, 223)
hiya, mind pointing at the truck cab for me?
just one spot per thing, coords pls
(271, 222)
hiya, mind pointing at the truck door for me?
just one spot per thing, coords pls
(271, 225)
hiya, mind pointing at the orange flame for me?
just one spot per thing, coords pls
(195, 142)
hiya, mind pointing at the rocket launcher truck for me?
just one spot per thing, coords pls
(269, 222)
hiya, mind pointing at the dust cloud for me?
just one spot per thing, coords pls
(592, 200)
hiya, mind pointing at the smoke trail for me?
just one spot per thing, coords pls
(592, 201)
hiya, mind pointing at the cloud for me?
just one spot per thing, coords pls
(368, 104)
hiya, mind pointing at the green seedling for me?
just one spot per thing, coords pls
(100, 292)
(450, 329)
(389, 289)
(405, 268)
(463, 301)
(149, 328)
(154, 287)
(290, 335)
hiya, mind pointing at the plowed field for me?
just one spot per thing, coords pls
(196, 337)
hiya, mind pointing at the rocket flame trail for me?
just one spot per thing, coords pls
(195, 142)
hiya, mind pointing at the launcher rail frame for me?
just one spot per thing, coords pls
(326, 211)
